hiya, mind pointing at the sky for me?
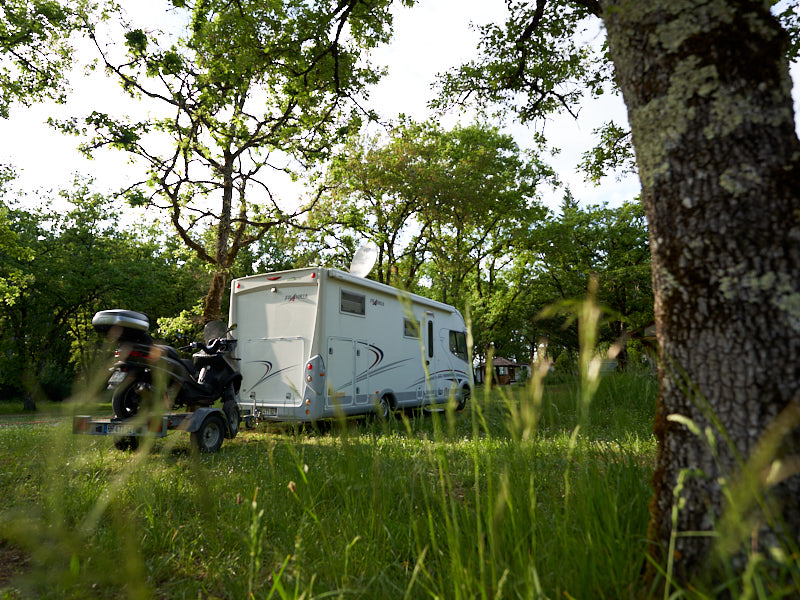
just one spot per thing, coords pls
(428, 39)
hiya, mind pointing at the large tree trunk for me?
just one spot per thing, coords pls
(212, 310)
(709, 99)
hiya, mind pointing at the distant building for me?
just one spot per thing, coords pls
(504, 371)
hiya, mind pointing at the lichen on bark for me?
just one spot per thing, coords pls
(705, 83)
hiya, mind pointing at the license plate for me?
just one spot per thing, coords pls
(116, 378)
(121, 429)
(270, 411)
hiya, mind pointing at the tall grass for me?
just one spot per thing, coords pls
(531, 492)
(537, 491)
(442, 505)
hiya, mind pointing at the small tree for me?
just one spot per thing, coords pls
(248, 89)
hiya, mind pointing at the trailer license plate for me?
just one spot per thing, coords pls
(116, 378)
(121, 429)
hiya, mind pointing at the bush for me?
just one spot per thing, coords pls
(56, 381)
(564, 365)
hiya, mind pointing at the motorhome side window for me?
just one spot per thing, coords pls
(354, 304)
(458, 344)
(410, 328)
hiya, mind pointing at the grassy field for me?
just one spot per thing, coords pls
(503, 500)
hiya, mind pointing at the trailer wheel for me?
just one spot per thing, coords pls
(126, 442)
(208, 438)
(234, 416)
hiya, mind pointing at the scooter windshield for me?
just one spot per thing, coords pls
(214, 330)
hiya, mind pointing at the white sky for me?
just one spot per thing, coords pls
(429, 38)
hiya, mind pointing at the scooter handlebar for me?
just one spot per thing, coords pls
(216, 346)
(219, 345)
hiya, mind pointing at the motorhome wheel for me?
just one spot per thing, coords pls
(384, 408)
(463, 396)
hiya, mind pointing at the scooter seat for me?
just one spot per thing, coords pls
(168, 351)
(189, 366)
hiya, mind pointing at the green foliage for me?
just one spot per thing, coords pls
(182, 329)
(540, 61)
(556, 263)
(15, 256)
(35, 50)
(564, 364)
(455, 216)
(75, 262)
(788, 13)
(614, 152)
(436, 203)
(247, 89)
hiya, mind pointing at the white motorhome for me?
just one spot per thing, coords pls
(315, 343)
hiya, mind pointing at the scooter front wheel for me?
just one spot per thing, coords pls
(129, 397)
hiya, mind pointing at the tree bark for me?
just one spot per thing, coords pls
(212, 310)
(708, 93)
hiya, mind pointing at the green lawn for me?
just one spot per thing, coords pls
(502, 500)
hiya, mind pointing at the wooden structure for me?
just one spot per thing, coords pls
(504, 371)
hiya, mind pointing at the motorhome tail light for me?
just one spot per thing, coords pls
(314, 367)
(274, 278)
(313, 275)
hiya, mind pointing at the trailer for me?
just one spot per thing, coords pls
(316, 343)
(207, 427)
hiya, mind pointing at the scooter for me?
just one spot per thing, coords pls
(153, 377)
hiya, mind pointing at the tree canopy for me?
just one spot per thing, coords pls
(247, 90)
(36, 50)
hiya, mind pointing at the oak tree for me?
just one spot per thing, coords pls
(708, 94)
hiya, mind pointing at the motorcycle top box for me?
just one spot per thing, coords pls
(122, 325)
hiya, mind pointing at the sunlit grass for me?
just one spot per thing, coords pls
(450, 505)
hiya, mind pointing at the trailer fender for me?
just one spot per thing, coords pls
(193, 423)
